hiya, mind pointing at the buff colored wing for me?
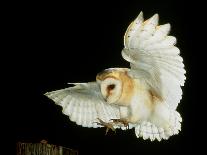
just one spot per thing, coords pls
(154, 58)
(83, 104)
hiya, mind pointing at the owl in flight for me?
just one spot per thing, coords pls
(144, 96)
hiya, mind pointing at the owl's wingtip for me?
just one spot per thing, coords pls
(140, 16)
(46, 94)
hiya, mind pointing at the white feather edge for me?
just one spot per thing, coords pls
(133, 27)
(148, 130)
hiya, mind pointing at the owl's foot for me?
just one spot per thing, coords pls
(107, 125)
(121, 122)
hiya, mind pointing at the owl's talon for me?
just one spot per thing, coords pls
(107, 125)
(121, 121)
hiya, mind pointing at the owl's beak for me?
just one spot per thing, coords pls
(106, 99)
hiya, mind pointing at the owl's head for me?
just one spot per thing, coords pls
(114, 83)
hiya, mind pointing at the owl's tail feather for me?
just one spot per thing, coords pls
(148, 130)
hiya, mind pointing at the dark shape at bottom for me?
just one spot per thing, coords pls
(43, 149)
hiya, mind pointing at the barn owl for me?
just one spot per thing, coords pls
(144, 96)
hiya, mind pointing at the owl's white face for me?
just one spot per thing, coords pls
(115, 85)
(111, 89)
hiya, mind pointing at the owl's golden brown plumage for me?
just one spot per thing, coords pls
(144, 97)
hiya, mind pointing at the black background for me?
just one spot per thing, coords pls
(58, 43)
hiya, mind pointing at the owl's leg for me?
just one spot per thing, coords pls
(107, 125)
(121, 121)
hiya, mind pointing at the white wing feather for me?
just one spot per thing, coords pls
(83, 103)
(154, 57)
(148, 130)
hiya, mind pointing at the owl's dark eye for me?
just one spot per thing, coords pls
(111, 87)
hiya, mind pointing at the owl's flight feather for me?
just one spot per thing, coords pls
(84, 103)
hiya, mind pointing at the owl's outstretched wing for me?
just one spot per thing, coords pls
(154, 58)
(83, 103)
